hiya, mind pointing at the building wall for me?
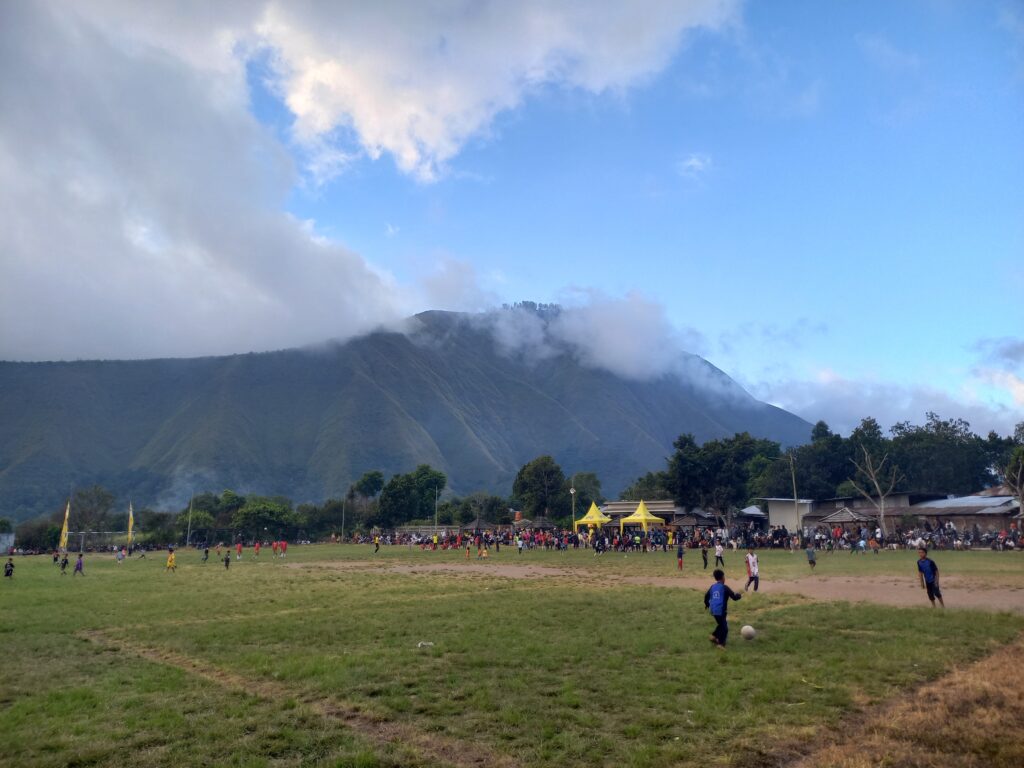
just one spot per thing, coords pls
(783, 513)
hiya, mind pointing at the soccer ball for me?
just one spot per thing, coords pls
(748, 632)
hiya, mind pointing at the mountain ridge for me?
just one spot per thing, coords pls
(307, 422)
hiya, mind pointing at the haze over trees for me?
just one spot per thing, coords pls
(719, 475)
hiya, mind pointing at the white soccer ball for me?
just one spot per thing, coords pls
(748, 632)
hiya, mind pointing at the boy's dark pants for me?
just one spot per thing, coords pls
(721, 629)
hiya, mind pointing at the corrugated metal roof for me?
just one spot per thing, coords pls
(967, 501)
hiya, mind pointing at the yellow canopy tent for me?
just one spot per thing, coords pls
(594, 517)
(641, 517)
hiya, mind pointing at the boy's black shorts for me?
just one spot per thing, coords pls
(933, 590)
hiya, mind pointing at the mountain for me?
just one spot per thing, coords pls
(306, 422)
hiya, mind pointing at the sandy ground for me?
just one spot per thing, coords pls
(875, 589)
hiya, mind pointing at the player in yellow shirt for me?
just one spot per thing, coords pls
(172, 565)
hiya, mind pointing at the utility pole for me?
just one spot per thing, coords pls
(343, 502)
(188, 534)
(796, 504)
(572, 492)
(435, 509)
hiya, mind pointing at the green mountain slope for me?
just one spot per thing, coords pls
(306, 423)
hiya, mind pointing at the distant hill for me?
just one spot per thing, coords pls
(305, 423)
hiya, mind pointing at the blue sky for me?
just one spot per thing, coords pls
(823, 199)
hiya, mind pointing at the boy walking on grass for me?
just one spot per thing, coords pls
(753, 574)
(928, 572)
(716, 600)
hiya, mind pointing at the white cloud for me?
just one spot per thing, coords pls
(842, 402)
(142, 202)
(694, 165)
(417, 80)
(142, 210)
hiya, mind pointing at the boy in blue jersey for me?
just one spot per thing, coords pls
(929, 574)
(716, 600)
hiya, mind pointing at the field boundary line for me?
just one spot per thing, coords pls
(375, 728)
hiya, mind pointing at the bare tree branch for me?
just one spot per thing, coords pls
(877, 473)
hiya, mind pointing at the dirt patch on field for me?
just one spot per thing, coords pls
(971, 717)
(504, 570)
(862, 589)
(339, 565)
(370, 726)
(881, 590)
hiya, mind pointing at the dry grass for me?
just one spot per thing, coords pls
(971, 717)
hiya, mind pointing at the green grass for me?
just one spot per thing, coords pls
(574, 671)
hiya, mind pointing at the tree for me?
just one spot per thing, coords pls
(651, 487)
(725, 470)
(540, 489)
(686, 472)
(90, 508)
(588, 491)
(943, 456)
(259, 513)
(878, 477)
(370, 484)
(399, 502)
(430, 484)
(39, 534)
(1013, 475)
(6, 526)
(203, 524)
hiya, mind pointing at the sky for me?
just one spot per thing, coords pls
(825, 200)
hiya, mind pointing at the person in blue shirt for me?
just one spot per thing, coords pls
(716, 600)
(929, 574)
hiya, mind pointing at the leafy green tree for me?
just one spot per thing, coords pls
(726, 470)
(203, 524)
(942, 456)
(686, 472)
(370, 484)
(430, 484)
(651, 487)
(588, 490)
(39, 534)
(1013, 474)
(6, 526)
(227, 505)
(399, 502)
(259, 513)
(90, 508)
(540, 489)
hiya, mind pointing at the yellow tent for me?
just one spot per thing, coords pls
(594, 517)
(641, 517)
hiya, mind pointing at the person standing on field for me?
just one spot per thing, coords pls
(812, 556)
(928, 572)
(79, 566)
(753, 574)
(172, 564)
(238, 550)
(680, 551)
(704, 553)
(716, 601)
(719, 551)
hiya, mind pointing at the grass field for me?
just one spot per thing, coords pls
(338, 658)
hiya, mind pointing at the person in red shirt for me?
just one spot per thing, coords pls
(256, 549)
(284, 547)
(238, 551)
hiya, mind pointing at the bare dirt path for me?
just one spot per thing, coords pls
(376, 729)
(881, 590)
